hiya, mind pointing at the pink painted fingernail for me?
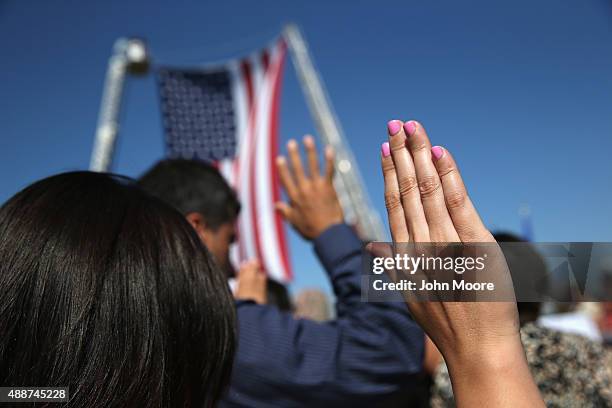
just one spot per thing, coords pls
(385, 149)
(394, 127)
(410, 127)
(437, 152)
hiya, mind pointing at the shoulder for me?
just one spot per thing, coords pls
(568, 367)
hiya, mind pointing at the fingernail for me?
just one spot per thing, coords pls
(437, 152)
(394, 127)
(385, 149)
(410, 127)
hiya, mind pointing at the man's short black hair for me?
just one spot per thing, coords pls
(526, 267)
(193, 186)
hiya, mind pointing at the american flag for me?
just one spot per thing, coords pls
(228, 115)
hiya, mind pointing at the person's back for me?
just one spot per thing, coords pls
(108, 291)
(570, 370)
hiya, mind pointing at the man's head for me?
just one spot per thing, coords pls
(201, 194)
(528, 270)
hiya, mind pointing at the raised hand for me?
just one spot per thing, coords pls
(251, 283)
(313, 204)
(427, 201)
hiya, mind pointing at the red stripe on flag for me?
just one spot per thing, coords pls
(274, 121)
(265, 60)
(246, 71)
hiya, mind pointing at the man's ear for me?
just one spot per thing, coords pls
(199, 225)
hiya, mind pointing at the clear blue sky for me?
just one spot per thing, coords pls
(520, 91)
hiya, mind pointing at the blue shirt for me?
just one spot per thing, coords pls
(368, 355)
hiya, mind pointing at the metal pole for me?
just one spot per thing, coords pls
(354, 199)
(129, 56)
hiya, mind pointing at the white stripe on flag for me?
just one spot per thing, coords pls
(232, 172)
(271, 253)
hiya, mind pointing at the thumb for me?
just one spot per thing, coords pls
(380, 249)
(284, 209)
(248, 267)
(329, 163)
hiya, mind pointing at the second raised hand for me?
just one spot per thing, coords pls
(313, 203)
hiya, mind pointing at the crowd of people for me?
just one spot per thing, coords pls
(119, 290)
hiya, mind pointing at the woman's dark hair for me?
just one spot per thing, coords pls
(193, 186)
(108, 291)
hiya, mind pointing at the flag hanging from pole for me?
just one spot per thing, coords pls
(228, 116)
